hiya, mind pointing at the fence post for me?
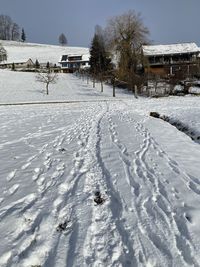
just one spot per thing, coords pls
(114, 87)
(136, 91)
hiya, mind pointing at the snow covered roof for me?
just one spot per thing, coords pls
(17, 62)
(85, 57)
(154, 50)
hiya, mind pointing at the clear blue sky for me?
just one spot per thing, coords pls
(169, 21)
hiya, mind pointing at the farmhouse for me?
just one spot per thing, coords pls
(71, 63)
(171, 59)
(18, 64)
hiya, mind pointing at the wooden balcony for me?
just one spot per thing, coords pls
(173, 60)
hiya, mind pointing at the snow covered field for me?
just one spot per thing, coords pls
(21, 52)
(56, 157)
(18, 87)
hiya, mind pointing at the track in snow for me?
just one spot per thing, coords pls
(98, 147)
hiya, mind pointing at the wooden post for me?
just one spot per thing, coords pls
(101, 86)
(135, 91)
(113, 86)
(188, 70)
(101, 81)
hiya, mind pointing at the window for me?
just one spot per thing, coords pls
(64, 58)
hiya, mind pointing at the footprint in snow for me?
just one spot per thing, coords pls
(60, 167)
(63, 150)
(37, 172)
(99, 200)
(194, 188)
(25, 166)
(1, 200)
(13, 189)
(188, 217)
(174, 190)
(11, 175)
(65, 227)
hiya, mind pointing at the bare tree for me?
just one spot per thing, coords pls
(15, 32)
(5, 27)
(3, 53)
(9, 30)
(62, 39)
(47, 78)
(125, 36)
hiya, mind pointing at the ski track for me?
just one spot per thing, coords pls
(144, 230)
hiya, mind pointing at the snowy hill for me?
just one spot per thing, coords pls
(19, 51)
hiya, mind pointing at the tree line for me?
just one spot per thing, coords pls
(10, 30)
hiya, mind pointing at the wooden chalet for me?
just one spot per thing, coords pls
(71, 63)
(171, 59)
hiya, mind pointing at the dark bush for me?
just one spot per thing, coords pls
(154, 114)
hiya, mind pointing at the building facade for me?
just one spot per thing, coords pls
(72, 63)
(18, 64)
(173, 59)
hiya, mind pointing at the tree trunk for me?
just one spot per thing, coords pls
(47, 88)
(101, 85)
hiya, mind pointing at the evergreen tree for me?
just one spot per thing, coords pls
(37, 64)
(13, 66)
(62, 39)
(100, 62)
(23, 35)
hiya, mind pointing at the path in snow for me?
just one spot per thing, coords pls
(57, 157)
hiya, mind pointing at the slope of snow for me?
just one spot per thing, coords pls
(21, 52)
(55, 157)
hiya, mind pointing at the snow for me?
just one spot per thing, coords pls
(178, 88)
(194, 90)
(153, 50)
(43, 53)
(56, 156)
(20, 87)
